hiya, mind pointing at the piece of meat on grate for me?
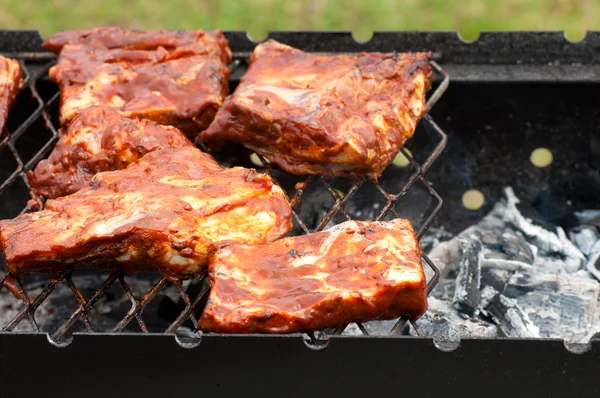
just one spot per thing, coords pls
(98, 140)
(197, 41)
(11, 82)
(163, 213)
(338, 115)
(355, 271)
(182, 91)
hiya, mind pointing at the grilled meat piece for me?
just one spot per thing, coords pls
(11, 82)
(161, 213)
(355, 271)
(196, 42)
(98, 140)
(334, 115)
(184, 92)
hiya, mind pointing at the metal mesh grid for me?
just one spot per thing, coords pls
(41, 113)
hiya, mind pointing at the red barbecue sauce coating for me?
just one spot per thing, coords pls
(338, 115)
(357, 271)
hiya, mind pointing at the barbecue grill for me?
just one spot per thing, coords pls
(511, 92)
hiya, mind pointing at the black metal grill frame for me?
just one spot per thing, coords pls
(60, 336)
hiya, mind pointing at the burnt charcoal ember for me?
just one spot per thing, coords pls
(535, 281)
(496, 273)
(559, 305)
(446, 256)
(588, 217)
(510, 317)
(443, 323)
(516, 248)
(500, 232)
(593, 265)
(584, 238)
(466, 294)
(434, 237)
(548, 243)
(444, 290)
(488, 293)
(374, 328)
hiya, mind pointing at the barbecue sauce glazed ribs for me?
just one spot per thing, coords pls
(197, 41)
(98, 140)
(162, 212)
(336, 115)
(173, 78)
(11, 82)
(353, 272)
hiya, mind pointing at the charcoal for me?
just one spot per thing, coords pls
(446, 256)
(535, 282)
(510, 317)
(548, 243)
(593, 264)
(507, 235)
(443, 323)
(516, 247)
(494, 276)
(559, 305)
(488, 293)
(374, 328)
(584, 238)
(444, 290)
(583, 274)
(588, 217)
(434, 237)
(550, 265)
(466, 295)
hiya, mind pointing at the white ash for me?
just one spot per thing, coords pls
(374, 328)
(593, 264)
(585, 238)
(588, 217)
(443, 323)
(468, 280)
(511, 319)
(534, 282)
(501, 228)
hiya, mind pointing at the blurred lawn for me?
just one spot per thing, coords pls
(260, 16)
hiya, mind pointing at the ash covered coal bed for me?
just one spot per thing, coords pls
(507, 277)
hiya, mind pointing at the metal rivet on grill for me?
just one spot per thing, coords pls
(402, 161)
(541, 157)
(473, 199)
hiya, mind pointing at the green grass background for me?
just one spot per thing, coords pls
(260, 16)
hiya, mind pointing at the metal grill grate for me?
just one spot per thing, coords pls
(30, 135)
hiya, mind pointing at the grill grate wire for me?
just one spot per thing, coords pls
(44, 110)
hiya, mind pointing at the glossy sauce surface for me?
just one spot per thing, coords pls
(356, 271)
(197, 41)
(174, 78)
(11, 81)
(98, 140)
(328, 115)
(162, 212)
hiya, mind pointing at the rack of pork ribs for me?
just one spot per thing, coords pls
(126, 189)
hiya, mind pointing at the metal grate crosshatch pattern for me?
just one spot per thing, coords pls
(30, 135)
